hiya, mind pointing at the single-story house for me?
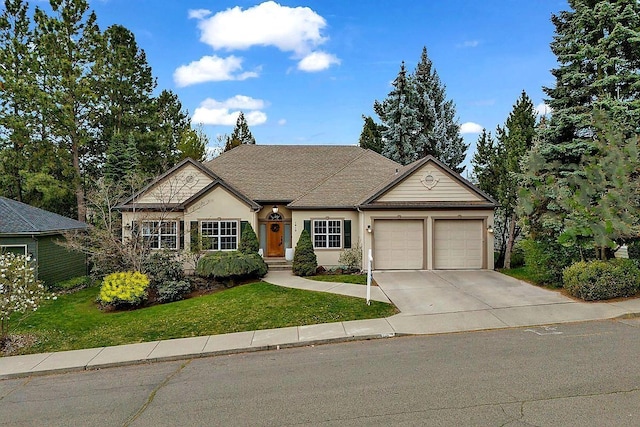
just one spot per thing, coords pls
(27, 230)
(419, 216)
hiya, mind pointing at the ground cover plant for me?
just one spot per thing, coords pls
(75, 321)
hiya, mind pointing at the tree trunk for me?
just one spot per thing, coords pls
(79, 190)
(512, 237)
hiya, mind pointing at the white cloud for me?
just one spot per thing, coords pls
(290, 29)
(225, 113)
(470, 127)
(198, 13)
(469, 43)
(317, 61)
(211, 69)
(543, 109)
(282, 122)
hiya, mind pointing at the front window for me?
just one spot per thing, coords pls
(160, 234)
(327, 233)
(219, 235)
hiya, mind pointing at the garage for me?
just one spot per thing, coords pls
(399, 244)
(458, 244)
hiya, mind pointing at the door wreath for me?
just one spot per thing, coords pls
(275, 227)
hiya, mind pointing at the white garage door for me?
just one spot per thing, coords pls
(398, 244)
(457, 244)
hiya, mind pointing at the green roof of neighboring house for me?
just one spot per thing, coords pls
(20, 218)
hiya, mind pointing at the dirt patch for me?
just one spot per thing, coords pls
(14, 343)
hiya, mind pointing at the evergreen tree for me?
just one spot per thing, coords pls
(240, 135)
(169, 124)
(122, 159)
(193, 143)
(401, 135)
(17, 89)
(371, 136)
(248, 240)
(124, 84)
(305, 261)
(437, 118)
(598, 51)
(68, 42)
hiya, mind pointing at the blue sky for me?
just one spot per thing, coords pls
(304, 72)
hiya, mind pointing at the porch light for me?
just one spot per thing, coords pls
(369, 230)
(275, 208)
(490, 229)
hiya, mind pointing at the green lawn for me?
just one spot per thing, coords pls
(357, 279)
(521, 273)
(74, 321)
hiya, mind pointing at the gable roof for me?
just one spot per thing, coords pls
(20, 218)
(284, 173)
(371, 200)
(345, 187)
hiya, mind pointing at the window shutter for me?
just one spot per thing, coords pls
(347, 234)
(193, 236)
(181, 231)
(307, 226)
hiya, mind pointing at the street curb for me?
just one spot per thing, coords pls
(193, 356)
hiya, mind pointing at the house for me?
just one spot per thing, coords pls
(27, 230)
(419, 216)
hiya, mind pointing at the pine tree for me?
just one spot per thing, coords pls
(371, 136)
(68, 42)
(597, 45)
(240, 135)
(437, 117)
(401, 135)
(169, 124)
(193, 143)
(17, 87)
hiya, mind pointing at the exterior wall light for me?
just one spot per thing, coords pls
(369, 230)
(490, 229)
(275, 208)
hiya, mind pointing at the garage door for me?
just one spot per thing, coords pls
(457, 244)
(398, 244)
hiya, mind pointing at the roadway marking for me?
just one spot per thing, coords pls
(546, 330)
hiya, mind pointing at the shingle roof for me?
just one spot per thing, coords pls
(312, 175)
(20, 218)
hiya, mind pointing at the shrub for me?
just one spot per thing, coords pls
(305, 261)
(517, 256)
(124, 288)
(546, 260)
(20, 292)
(600, 280)
(72, 285)
(351, 258)
(633, 249)
(166, 276)
(172, 290)
(248, 241)
(231, 266)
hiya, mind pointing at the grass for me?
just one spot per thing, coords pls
(74, 321)
(357, 279)
(521, 273)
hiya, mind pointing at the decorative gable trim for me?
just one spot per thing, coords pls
(488, 202)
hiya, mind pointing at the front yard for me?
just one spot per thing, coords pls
(74, 321)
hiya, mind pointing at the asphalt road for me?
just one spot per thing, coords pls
(585, 374)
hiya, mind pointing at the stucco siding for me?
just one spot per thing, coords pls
(429, 184)
(177, 187)
(326, 257)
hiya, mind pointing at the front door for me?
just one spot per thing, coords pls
(275, 244)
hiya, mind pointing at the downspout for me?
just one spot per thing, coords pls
(362, 233)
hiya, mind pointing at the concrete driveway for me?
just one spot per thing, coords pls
(445, 291)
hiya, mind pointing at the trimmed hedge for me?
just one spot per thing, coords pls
(231, 266)
(248, 240)
(601, 280)
(547, 260)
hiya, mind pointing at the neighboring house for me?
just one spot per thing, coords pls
(419, 216)
(27, 230)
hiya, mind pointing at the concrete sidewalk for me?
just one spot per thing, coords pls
(565, 310)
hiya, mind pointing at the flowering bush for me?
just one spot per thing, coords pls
(125, 288)
(20, 292)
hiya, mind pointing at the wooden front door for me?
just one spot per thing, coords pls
(275, 243)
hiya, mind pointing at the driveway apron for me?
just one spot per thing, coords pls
(446, 291)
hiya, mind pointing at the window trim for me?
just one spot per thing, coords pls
(327, 234)
(157, 228)
(220, 236)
